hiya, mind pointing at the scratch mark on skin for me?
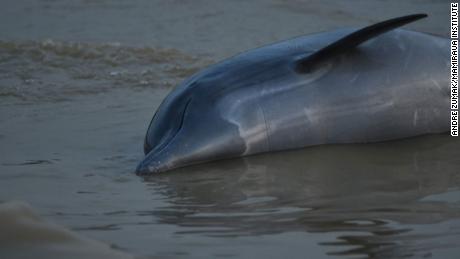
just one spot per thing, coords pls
(444, 91)
(408, 58)
(354, 78)
(436, 84)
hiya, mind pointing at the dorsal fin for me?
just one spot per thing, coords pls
(352, 40)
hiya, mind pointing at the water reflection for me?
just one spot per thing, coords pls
(377, 198)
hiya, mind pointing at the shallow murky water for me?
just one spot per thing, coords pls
(80, 80)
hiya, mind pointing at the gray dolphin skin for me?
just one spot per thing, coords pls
(364, 85)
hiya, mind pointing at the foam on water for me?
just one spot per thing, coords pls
(53, 70)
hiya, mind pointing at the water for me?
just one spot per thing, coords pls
(80, 80)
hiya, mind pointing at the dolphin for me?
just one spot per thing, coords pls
(350, 85)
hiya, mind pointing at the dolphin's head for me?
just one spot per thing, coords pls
(189, 127)
(213, 115)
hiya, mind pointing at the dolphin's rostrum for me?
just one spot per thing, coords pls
(346, 86)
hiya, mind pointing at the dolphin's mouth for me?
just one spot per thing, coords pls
(164, 143)
(165, 124)
(145, 165)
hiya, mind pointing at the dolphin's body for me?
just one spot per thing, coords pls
(344, 86)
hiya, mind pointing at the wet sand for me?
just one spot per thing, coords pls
(79, 82)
